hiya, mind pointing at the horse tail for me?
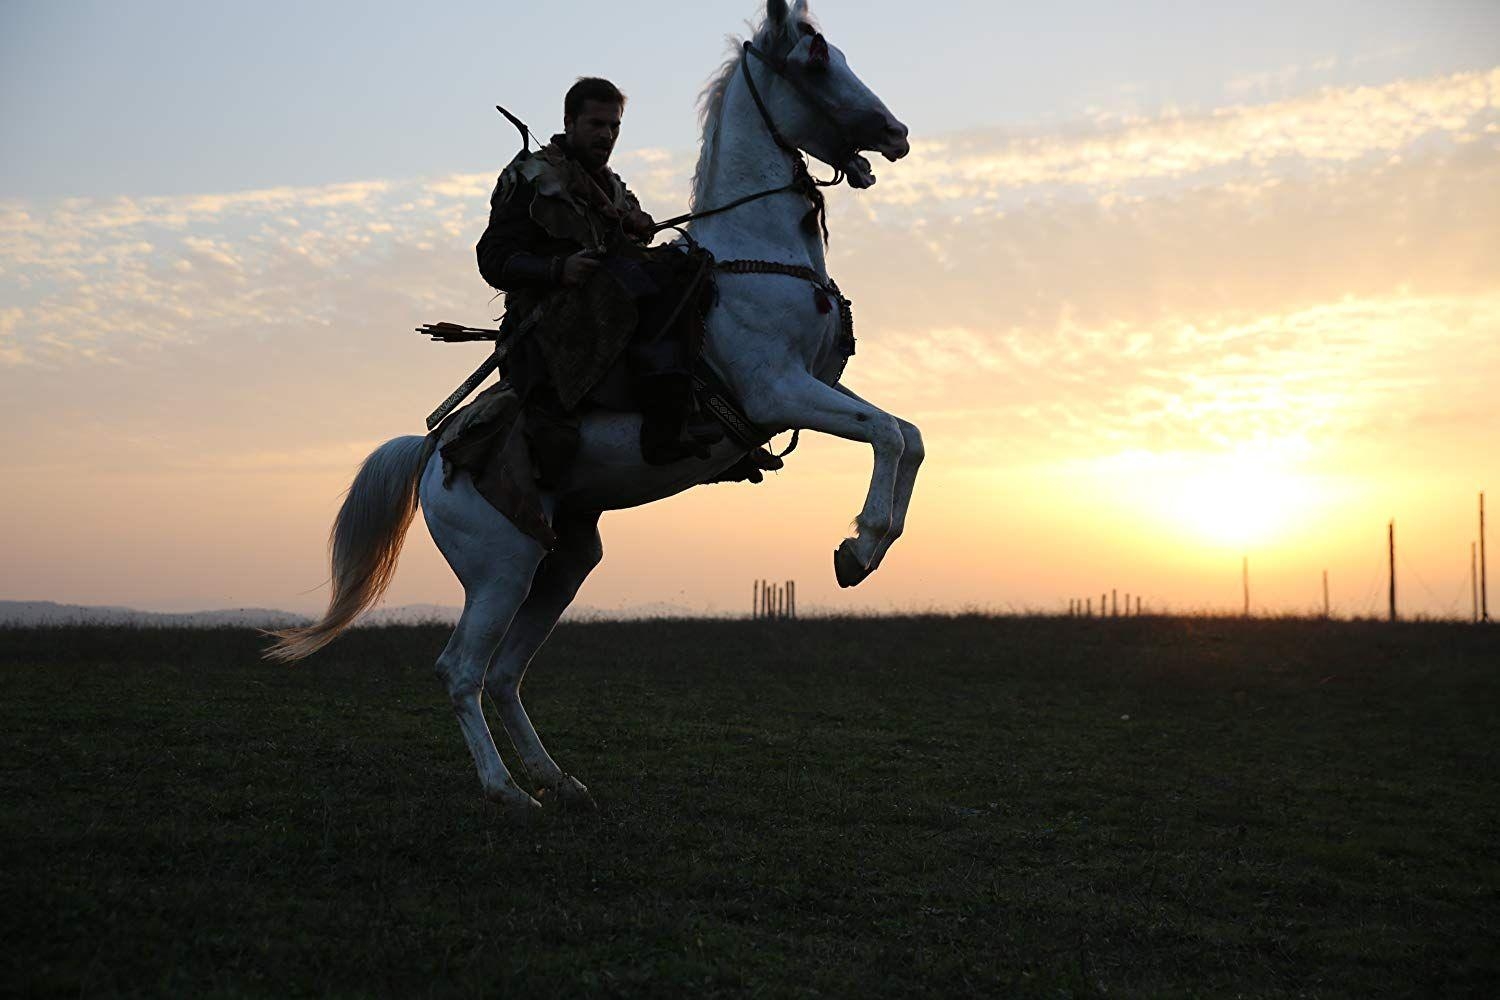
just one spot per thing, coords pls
(364, 543)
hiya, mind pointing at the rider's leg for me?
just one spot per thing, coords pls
(661, 355)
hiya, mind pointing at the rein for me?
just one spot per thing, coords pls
(802, 182)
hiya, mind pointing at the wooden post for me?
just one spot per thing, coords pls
(1474, 577)
(1484, 590)
(1090, 609)
(1325, 593)
(794, 598)
(1137, 605)
(1127, 605)
(1103, 605)
(1245, 580)
(755, 602)
(1391, 539)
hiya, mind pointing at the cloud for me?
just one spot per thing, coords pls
(1329, 128)
(1176, 280)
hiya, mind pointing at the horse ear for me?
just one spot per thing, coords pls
(776, 12)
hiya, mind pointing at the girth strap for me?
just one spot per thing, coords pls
(718, 399)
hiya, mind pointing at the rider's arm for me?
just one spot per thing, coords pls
(511, 252)
(637, 222)
(522, 269)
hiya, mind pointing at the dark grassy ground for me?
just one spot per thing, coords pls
(863, 807)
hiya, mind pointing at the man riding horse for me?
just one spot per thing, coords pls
(777, 338)
(568, 242)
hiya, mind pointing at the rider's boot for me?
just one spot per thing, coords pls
(750, 469)
(673, 427)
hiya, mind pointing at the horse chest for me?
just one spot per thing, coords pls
(760, 317)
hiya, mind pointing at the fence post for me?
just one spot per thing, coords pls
(1391, 539)
(1484, 589)
(1245, 582)
(1474, 578)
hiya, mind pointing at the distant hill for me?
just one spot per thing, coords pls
(50, 613)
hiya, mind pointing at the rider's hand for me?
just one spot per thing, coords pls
(578, 267)
(640, 225)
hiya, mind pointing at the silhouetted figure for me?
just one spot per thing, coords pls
(567, 241)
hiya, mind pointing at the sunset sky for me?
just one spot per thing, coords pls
(1163, 286)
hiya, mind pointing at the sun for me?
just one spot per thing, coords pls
(1240, 498)
(1237, 502)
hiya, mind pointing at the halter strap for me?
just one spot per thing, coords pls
(802, 182)
(779, 66)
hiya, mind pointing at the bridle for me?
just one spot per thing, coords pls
(802, 182)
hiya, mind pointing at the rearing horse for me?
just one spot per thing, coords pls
(769, 337)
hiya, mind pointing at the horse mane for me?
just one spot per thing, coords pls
(711, 100)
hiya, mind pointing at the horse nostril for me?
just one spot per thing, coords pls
(897, 145)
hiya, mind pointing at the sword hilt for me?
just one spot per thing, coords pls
(469, 385)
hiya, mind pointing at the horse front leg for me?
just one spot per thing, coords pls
(803, 402)
(906, 479)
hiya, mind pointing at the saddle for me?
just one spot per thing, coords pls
(488, 438)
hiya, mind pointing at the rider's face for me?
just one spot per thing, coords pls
(592, 132)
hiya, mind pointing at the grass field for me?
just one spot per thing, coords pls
(875, 807)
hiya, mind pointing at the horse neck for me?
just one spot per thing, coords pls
(746, 161)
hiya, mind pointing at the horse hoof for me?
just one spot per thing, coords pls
(572, 795)
(517, 808)
(846, 565)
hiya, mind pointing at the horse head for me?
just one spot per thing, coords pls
(818, 104)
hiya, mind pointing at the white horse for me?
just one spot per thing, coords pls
(767, 337)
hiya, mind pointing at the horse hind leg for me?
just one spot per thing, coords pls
(462, 667)
(556, 583)
(495, 562)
